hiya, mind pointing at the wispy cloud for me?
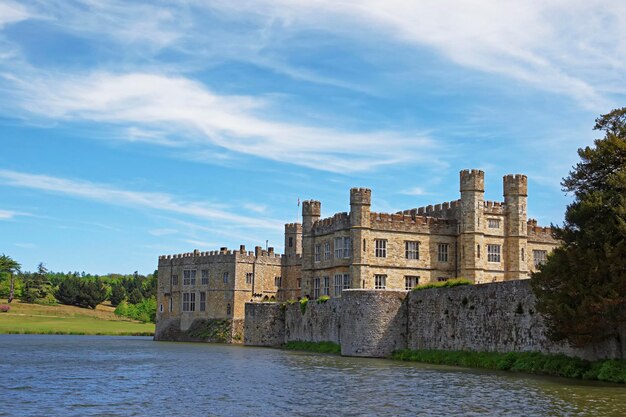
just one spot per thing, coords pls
(559, 46)
(151, 200)
(415, 191)
(162, 232)
(26, 245)
(9, 214)
(11, 12)
(202, 119)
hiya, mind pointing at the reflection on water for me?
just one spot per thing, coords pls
(125, 376)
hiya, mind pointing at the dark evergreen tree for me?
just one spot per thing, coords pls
(118, 294)
(9, 267)
(582, 287)
(36, 286)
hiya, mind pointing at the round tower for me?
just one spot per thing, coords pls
(311, 211)
(360, 202)
(515, 187)
(471, 224)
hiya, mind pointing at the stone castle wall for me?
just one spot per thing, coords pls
(499, 317)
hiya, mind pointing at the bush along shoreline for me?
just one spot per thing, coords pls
(317, 347)
(527, 362)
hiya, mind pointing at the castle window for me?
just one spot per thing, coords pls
(442, 252)
(338, 284)
(202, 301)
(205, 277)
(228, 309)
(225, 277)
(291, 242)
(412, 250)
(346, 281)
(299, 283)
(171, 305)
(316, 288)
(189, 277)
(347, 245)
(523, 255)
(249, 277)
(341, 282)
(161, 308)
(494, 223)
(364, 245)
(539, 257)
(442, 279)
(278, 281)
(189, 301)
(326, 288)
(478, 251)
(493, 253)
(411, 282)
(327, 251)
(380, 282)
(381, 248)
(318, 254)
(174, 280)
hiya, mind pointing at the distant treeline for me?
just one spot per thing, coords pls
(134, 295)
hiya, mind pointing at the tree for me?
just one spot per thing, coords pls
(9, 266)
(81, 292)
(118, 294)
(581, 289)
(36, 286)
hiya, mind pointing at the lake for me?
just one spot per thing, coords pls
(134, 376)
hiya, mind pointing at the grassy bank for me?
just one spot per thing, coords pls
(529, 362)
(26, 318)
(317, 347)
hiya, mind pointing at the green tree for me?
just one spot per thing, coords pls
(118, 294)
(10, 267)
(135, 296)
(581, 288)
(81, 292)
(36, 286)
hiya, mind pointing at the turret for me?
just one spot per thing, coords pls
(360, 202)
(471, 223)
(311, 211)
(515, 189)
(293, 239)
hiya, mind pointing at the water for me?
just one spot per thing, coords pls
(134, 376)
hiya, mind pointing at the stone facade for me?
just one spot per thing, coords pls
(483, 241)
(480, 240)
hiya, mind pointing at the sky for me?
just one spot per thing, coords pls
(130, 130)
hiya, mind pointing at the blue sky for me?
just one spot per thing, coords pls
(130, 130)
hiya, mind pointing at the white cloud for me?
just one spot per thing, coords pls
(151, 200)
(26, 245)
(162, 232)
(415, 191)
(200, 244)
(572, 47)
(8, 214)
(204, 120)
(11, 12)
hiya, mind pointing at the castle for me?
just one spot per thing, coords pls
(483, 241)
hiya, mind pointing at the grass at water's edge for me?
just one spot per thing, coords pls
(77, 333)
(317, 347)
(529, 362)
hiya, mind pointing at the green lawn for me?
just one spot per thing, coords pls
(35, 319)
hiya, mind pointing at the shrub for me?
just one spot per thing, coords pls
(529, 362)
(449, 283)
(303, 302)
(318, 347)
(323, 299)
(144, 311)
(4, 308)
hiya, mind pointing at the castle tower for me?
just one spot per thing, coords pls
(515, 232)
(311, 211)
(293, 239)
(470, 251)
(360, 202)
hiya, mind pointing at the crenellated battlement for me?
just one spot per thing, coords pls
(447, 210)
(515, 185)
(224, 253)
(541, 233)
(494, 207)
(329, 224)
(472, 180)
(360, 196)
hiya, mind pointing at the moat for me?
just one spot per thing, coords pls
(134, 376)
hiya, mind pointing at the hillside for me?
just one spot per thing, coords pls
(61, 319)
